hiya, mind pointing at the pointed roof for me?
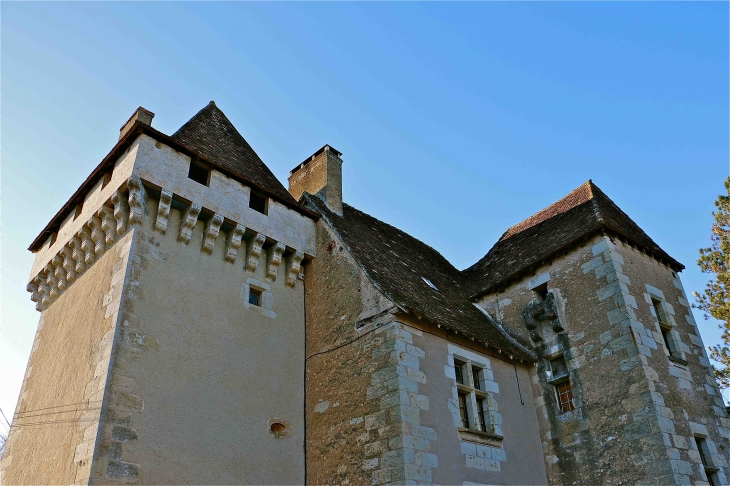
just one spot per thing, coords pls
(584, 211)
(415, 277)
(212, 135)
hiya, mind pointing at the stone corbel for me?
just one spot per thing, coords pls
(97, 235)
(59, 272)
(188, 223)
(69, 265)
(51, 281)
(35, 295)
(293, 265)
(108, 224)
(43, 290)
(87, 245)
(253, 251)
(212, 230)
(163, 211)
(538, 311)
(137, 201)
(233, 242)
(77, 254)
(121, 211)
(273, 260)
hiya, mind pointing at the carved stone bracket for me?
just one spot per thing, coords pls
(293, 265)
(233, 242)
(121, 211)
(43, 290)
(212, 230)
(253, 252)
(59, 272)
(97, 235)
(51, 281)
(35, 295)
(69, 265)
(137, 201)
(188, 223)
(87, 245)
(273, 260)
(77, 254)
(539, 311)
(163, 211)
(108, 224)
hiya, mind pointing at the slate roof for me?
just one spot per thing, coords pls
(397, 264)
(211, 134)
(581, 213)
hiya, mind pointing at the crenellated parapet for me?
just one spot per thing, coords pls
(126, 209)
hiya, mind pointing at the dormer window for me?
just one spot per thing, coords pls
(258, 203)
(199, 173)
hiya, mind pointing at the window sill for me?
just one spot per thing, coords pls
(480, 437)
(678, 360)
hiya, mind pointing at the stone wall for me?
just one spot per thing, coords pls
(56, 423)
(631, 400)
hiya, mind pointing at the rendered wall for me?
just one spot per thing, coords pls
(54, 430)
(198, 375)
(629, 406)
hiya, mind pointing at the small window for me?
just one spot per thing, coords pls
(106, 180)
(199, 174)
(77, 211)
(704, 451)
(668, 341)
(541, 291)
(54, 236)
(480, 415)
(459, 370)
(463, 410)
(257, 203)
(661, 317)
(476, 376)
(565, 397)
(254, 297)
(558, 367)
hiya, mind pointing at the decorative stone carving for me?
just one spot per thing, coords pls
(212, 230)
(52, 282)
(77, 254)
(253, 251)
(293, 265)
(59, 272)
(97, 235)
(43, 289)
(35, 296)
(539, 311)
(121, 211)
(87, 245)
(188, 223)
(233, 242)
(69, 265)
(137, 201)
(163, 211)
(108, 224)
(273, 260)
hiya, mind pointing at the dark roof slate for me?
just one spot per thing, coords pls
(397, 263)
(211, 134)
(584, 211)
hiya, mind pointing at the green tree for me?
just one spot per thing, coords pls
(715, 300)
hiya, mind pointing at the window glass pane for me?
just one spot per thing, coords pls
(565, 397)
(475, 375)
(480, 413)
(254, 297)
(459, 369)
(667, 334)
(463, 411)
(558, 367)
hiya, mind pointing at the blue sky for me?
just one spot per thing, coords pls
(456, 120)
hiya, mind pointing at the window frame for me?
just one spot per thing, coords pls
(472, 394)
(703, 449)
(561, 381)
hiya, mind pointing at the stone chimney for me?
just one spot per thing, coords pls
(319, 175)
(141, 115)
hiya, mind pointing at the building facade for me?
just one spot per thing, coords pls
(202, 324)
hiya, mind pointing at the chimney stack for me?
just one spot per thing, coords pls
(141, 115)
(319, 175)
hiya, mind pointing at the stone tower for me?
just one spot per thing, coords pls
(170, 346)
